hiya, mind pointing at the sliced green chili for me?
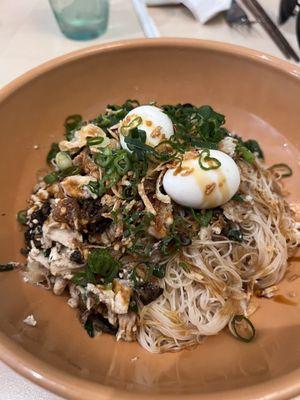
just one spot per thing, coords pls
(210, 162)
(122, 163)
(94, 141)
(287, 171)
(131, 125)
(242, 328)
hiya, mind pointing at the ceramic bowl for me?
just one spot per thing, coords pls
(260, 97)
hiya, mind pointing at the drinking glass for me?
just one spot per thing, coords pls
(81, 19)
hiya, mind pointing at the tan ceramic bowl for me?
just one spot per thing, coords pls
(260, 97)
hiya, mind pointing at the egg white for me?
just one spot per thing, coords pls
(202, 189)
(152, 118)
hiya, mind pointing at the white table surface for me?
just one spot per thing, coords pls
(29, 36)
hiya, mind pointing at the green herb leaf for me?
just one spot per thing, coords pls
(206, 217)
(254, 147)
(72, 123)
(237, 197)
(6, 267)
(80, 279)
(22, 217)
(159, 271)
(122, 162)
(52, 152)
(89, 327)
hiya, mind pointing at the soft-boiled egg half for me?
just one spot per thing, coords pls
(192, 186)
(157, 125)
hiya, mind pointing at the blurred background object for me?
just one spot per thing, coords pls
(290, 8)
(81, 19)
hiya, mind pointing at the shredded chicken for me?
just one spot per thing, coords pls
(75, 186)
(145, 199)
(80, 137)
(228, 145)
(164, 198)
(127, 327)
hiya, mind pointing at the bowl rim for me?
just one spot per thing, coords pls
(62, 383)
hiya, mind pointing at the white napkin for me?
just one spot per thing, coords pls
(203, 10)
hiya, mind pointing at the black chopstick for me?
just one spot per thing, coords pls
(269, 26)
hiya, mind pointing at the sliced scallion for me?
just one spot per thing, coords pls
(245, 153)
(242, 328)
(122, 163)
(131, 125)
(207, 162)
(63, 160)
(104, 158)
(94, 141)
(283, 169)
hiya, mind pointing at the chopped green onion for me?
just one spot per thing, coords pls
(6, 267)
(94, 141)
(93, 187)
(113, 178)
(242, 328)
(97, 188)
(22, 217)
(52, 152)
(245, 153)
(104, 158)
(63, 160)
(206, 217)
(283, 169)
(206, 162)
(50, 178)
(122, 163)
(129, 192)
(132, 125)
